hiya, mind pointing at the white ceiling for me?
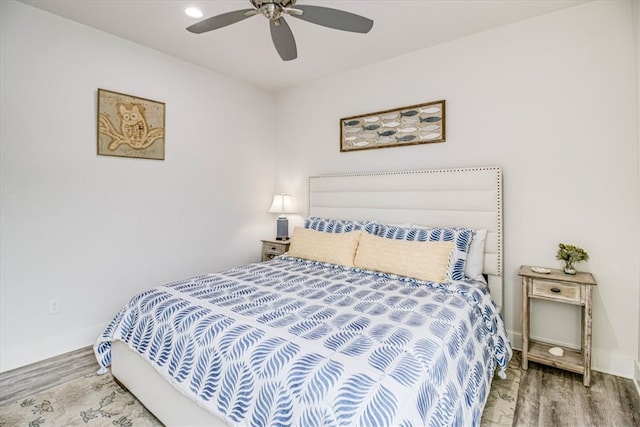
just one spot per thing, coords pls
(244, 50)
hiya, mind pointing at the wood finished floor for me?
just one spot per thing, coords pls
(546, 397)
(552, 397)
(22, 382)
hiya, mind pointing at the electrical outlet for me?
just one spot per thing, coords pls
(54, 306)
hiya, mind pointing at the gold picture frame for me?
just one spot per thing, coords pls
(412, 125)
(130, 126)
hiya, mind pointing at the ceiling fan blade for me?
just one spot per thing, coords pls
(334, 18)
(220, 21)
(283, 39)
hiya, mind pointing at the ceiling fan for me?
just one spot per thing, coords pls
(280, 32)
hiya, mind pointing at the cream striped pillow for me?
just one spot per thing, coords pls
(420, 260)
(334, 248)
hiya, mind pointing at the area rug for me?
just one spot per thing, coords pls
(501, 403)
(93, 400)
(96, 400)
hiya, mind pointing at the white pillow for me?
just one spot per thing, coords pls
(475, 260)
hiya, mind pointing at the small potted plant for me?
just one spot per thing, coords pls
(571, 254)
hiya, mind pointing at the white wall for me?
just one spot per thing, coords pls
(94, 230)
(636, 29)
(551, 100)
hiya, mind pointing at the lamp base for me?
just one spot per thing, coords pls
(282, 229)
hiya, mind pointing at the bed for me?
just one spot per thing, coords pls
(310, 340)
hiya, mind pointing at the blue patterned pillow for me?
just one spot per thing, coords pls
(340, 225)
(460, 236)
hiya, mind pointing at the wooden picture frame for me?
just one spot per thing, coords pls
(130, 126)
(412, 125)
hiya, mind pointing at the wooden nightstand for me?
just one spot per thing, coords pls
(563, 288)
(273, 248)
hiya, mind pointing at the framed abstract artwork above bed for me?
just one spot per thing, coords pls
(412, 125)
(326, 335)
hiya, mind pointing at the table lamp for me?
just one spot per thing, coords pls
(282, 203)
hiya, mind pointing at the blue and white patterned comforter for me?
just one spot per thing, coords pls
(294, 342)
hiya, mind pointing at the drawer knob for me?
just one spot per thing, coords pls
(555, 290)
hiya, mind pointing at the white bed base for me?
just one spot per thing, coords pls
(161, 398)
(467, 197)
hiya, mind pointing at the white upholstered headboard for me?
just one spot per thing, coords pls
(465, 197)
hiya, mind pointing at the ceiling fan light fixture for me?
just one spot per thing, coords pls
(278, 3)
(271, 11)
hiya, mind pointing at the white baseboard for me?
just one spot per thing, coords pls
(601, 361)
(516, 339)
(15, 357)
(637, 377)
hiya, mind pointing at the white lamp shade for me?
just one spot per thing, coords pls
(282, 203)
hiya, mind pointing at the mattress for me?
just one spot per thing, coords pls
(298, 342)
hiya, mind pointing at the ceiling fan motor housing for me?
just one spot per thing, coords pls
(272, 9)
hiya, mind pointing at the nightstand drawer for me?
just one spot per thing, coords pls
(271, 249)
(556, 291)
(274, 249)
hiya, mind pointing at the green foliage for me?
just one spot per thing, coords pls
(571, 254)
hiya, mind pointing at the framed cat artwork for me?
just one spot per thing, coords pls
(130, 126)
